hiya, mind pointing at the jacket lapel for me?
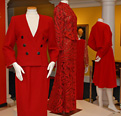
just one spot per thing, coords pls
(29, 31)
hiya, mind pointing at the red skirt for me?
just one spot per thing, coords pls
(32, 92)
(105, 71)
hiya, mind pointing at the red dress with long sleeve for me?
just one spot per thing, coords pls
(82, 60)
(63, 95)
(100, 40)
(32, 92)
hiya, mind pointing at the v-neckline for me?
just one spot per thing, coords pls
(29, 30)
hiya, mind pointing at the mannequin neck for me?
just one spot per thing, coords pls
(100, 20)
(32, 12)
(64, 1)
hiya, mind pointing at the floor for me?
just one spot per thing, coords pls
(88, 109)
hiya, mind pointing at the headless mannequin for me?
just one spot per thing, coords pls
(64, 1)
(33, 19)
(108, 90)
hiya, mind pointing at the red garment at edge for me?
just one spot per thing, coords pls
(32, 92)
(100, 40)
(82, 60)
(63, 95)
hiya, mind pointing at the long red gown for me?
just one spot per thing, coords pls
(82, 60)
(63, 95)
(100, 40)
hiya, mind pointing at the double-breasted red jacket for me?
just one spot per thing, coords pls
(31, 50)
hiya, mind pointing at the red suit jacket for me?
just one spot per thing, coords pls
(100, 40)
(31, 51)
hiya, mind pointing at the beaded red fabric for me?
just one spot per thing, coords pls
(63, 95)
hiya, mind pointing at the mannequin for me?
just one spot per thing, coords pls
(103, 53)
(100, 19)
(63, 95)
(32, 19)
(29, 32)
(65, 1)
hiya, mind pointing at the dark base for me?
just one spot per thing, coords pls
(117, 104)
(68, 114)
(3, 105)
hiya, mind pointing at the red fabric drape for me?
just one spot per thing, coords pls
(82, 60)
(2, 64)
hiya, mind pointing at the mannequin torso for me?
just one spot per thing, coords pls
(32, 18)
(64, 1)
(100, 20)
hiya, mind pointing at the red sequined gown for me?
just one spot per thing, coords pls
(63, 95)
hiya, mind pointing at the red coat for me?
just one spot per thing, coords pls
(100, 40)
(31, 51)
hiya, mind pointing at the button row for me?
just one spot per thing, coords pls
(24, 45)
(38, 53)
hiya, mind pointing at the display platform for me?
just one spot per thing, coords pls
(88, 109)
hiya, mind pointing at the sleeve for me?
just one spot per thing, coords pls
(91, 41)
(86, 58)
(107, 42)
(59, 27)
(52, 44)
(69, 30)
(8, 47)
